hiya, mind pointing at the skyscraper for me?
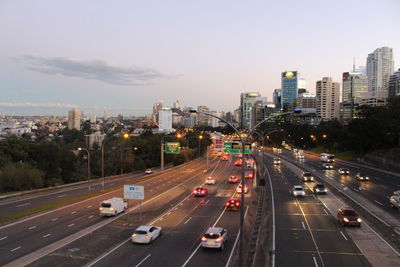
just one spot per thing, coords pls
(354, 87)
(203, 120)
(289, 89)
(277, 98)
(394, 84)
(327, 99)
(156, 109)
(247, 101)
(74, 119)
(380, 66)
(165, 120)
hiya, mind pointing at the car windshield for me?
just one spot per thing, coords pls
(350, 213)
(298, 189)
(307, 174)
(105, 205)
(345, 170)
(211, 236)
(140, 232)
(320, 186)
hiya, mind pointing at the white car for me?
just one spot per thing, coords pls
(298, 190)
(145, 234)
(300, 156)
(148, 171)
(215, 237)
(210, 180)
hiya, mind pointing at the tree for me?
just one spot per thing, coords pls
(20, 176)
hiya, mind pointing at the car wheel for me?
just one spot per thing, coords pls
(222, 246)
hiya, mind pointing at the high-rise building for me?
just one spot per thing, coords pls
(394, 84)
(380, 65)
(105, 117)
(92, 118)
(289, 84)
(176, 104)
(96, 137)
(354, 87)
(277, 99)
(203, 120)
(327, 99)
(156, 109)
(165, 120)
(74, 119)
(306, 101)
(214, 121)
(247, 101)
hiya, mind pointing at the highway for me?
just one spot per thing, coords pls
(27, 236)
(306, 233)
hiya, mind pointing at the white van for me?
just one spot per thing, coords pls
(113, 206)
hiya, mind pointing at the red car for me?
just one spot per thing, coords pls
(233, 204)
(233, 179)
(200, 192)
(347, 216)
(238, 163)
(225, 158)
(241, 189)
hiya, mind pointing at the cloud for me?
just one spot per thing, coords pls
(36, 105)
(92, 70)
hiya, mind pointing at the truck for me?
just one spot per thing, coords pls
(113, 206)
(325, 157)
(395, 200)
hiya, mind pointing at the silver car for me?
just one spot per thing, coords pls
(215, 237)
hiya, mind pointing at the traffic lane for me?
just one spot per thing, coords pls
(57, 229)
(320, 226)
(181, 232)
(23, 203)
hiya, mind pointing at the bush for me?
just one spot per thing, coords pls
(20, 176)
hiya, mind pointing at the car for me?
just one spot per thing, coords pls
(233, 179)
(361, 177)
(298, 190)
(279, 150)
(277, 161)
(395, 201)
(214, 237)
(238, 163)
(249, 174)
(233, 204)
(327, 166)
(344, 171)
(300, 156)
(210, 180)
(145, 234)
(240, 188)
(148, 171)
(200, 192)
(348, 217)
(225, 158)
(319, 188)
(307, 177)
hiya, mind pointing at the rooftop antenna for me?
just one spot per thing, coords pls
(354, 64)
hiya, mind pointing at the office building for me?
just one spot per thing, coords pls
(202, 119)
(165, 120)
(74, 119)
(289, 84)
(247, 100)
(380, 65)
(96, 137)
(394, 84)
(306, 101)
(276, 98)
(156, 110)
(327, 99)
(354, 87)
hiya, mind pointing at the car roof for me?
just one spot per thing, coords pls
(214, 230)
(144, 228)
(210, 177)
(298, 186)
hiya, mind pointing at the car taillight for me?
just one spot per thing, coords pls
(219, 239)
(203, 191)
(251, 175)
(194, 191)
(203, 239)
(237, 204)
(147, 236)
(227, 203)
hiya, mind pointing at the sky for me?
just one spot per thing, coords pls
(124, 55)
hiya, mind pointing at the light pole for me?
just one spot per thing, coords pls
(88, 152)
(125, 136)
(243, 141)
(200, 137)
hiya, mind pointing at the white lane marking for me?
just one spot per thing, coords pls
(168, 213)
(73, 212)
(115, 248)
(378, 202)
(314, 196)
(233, 249)
(54, 219)
(91, 216)
(70, 225)
(175, 208)
(187, 220)
(46, 235)
(142, 260)
(14, 249)
(295, 203)
(343, 235)
(355, 189)
(4, 237)
(32, 227)
(315, 262)
(304, 227)
(25, 204)
(62, 195)
(89, 206)
(326, 212)
(206, 202)
(161, 219)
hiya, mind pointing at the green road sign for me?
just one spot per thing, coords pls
(172, 148)
(236, 148)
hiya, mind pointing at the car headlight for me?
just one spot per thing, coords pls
(359, 220)
(346, 220)
(133, 235)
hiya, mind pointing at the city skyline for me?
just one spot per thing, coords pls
(208, 53)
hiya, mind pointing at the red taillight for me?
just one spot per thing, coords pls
(203, 239)
(195, 191)
(251, 175)
(203, 191)
(227, 203)
(237, 203)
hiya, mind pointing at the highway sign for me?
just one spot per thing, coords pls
(134, 191)
(172, 148)
(236, 148)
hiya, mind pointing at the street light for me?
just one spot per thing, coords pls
(125, 136)
(88, 152)
(200, 137)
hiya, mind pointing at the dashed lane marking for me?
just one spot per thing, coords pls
(14, 249)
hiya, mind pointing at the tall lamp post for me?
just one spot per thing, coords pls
(200, 138)
(243, 141)
(88, 153)
(125, 136)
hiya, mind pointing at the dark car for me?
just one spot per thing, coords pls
(344, 171)
(327, 166)
(307, 177)
(200, 192)
(319, 189)
(348, 217)
(233, 204)
(233, 179)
